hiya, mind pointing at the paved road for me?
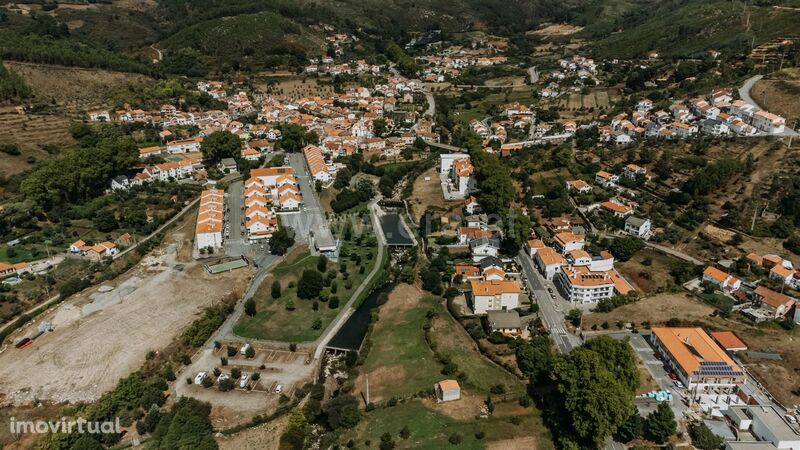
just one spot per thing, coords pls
(448, 147)
(552, 311)
(266, 263)
(744, 91)
(672, 252)
(744, 94)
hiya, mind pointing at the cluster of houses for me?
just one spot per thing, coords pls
(581, 277)
(756, 301)
(718, 115)
(12, 270)
(581, 66)
(210, 219)
(326, 65)
(269, 191)
(451, 62)
(620, 207)
(94, 252)
(491, 288)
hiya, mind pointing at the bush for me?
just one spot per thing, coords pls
(454, 439)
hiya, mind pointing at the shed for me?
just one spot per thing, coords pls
(729, 341)
(447, 390)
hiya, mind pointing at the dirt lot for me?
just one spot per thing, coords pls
(429, 193)
(556, 29)
(100, 337)
(261, 437)
(232, 408)
(780, 94)
(648, 270)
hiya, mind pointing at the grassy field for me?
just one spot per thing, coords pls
(453, 342)
(431, 427)
(273, 321)
(401, 363)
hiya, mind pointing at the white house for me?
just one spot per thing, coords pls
(725, 281)
(580, 284)
(446, 161)
(483, 247)
(768, 122)
(184, 146)
(120, 183)
(461, 176)
(548, 262)
(636, 226)
(316, 164)
(494, 295)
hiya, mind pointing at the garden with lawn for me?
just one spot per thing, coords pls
(305, 293)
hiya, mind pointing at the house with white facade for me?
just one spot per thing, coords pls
(494, 295)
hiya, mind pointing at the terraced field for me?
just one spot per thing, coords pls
(32, 133)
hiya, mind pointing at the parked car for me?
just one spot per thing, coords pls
(199, 378)
(678, 384)
(791, 419)
(279, 389)
(243, 381)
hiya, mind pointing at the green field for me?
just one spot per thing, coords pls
(399, 342)
(273, 321)
(453, 342)
(399, 346)
(431, 429)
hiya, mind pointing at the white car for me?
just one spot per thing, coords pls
(791, 419)
(279, 389)
(199, 378)
(243, 381)
(678, 384)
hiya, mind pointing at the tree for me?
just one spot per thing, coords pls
(276, 289)
(281, 240)
(294, 137)
(342, 412)
(343, 178)
(594, 401)
(219, 145)
(535, 358)
(660, 424)
(296, 430)
(574, 316)
(250, 353)
(703, 438)
(624, 248)
(517, 231)
(250, 307)
(322, 264)
(310, 284)
(379, 127)
(632, 428)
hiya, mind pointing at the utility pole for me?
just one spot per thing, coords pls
(366, 377)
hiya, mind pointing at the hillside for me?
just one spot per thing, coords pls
(684, 28)
(199, 35)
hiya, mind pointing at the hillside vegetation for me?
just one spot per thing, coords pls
(682, 27)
